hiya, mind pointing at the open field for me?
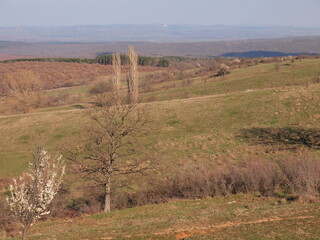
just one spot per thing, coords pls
(206, 121)
(196, 120)
(232, 217)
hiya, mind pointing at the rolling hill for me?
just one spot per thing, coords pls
(198, 121)
(286, 46)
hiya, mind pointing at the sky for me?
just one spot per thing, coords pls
(300, 13)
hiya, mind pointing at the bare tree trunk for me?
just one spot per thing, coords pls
(107, 203)
(24, 232)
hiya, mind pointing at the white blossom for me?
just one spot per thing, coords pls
(34, 191)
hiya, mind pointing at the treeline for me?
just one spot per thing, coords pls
(103, 59)
(142, 60)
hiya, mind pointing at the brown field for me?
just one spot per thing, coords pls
(58, 74)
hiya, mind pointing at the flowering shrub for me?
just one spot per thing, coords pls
(35, 189)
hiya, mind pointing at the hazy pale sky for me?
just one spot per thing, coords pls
(302, 13)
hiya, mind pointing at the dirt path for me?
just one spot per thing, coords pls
(204, 230)
(184, 233)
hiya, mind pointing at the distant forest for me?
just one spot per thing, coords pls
(101, 59)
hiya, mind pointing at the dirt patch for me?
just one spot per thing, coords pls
(185, 233)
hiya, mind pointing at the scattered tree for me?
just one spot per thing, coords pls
(24, 86)
(223, 70)
(236, 61)
(116, 78)
(132, 78)
(112, 143)
(35, 189)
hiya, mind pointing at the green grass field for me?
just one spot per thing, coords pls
(233, 217)
(205, 125)
(199, 123)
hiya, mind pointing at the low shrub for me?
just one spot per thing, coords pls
(291, 178)
(223, 70)
(100, 86)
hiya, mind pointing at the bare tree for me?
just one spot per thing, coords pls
(132, 78)
(116, 78)
(112, 143)
(24, 86)
(35, 189)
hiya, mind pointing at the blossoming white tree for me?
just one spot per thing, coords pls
(35, 189)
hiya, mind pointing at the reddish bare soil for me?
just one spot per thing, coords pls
(61, 74)
(207, 230)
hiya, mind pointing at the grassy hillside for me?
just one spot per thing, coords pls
(234, 217)
(205, 124)
(265, 111)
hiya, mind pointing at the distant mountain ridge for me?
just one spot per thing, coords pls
(149, 33)
(231, 48)
(254, 54)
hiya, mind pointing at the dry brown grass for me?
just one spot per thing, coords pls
(290, 178)
(24, 86)
(57, 74)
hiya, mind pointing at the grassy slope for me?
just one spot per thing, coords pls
(234, 217)
(257, 77)
(194, 128)
(207, 125)
(202, 129)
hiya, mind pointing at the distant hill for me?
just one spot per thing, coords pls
(253, 54)
(149, 33)
(287, 46)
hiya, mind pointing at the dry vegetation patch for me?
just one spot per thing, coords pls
(62, 74)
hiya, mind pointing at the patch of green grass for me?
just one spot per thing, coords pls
(257, 77)
(173, 122)
(231, 217)
(24, 139)
(59, 136)
(76, 90)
